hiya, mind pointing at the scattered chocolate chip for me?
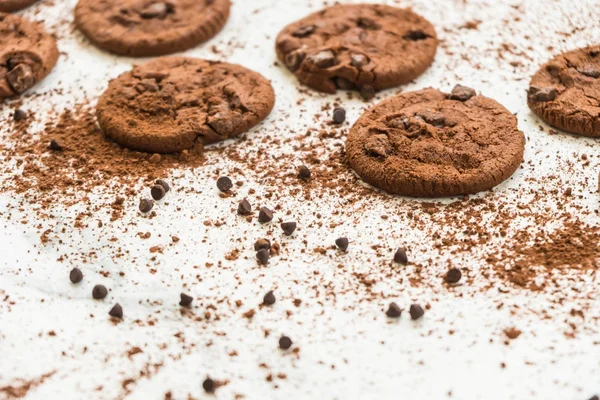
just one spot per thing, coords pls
(19, 115)
(116, 311)
(303, 172)
(99, 292)
(541, 94)
(453, 275)
(323, 59)
(76, 275)
(146, 205)
(164, 185)
(342, 243)
(285, 342)
(416, 311)
(265, 215)
(367, 92)
(344, 84)
(400, 257)
(157, 192)
(393, 311)
(262, 244)
(54, 145)
(185, 300)
(288, 227)
(415, 36)
(244, 208)
(304, 31)
(263, 256)
(224, 184)
(358, 60)
(462, 93)
(339, 115)
(269, 298)
(209, 385)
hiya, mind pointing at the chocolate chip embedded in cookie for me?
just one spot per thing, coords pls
(364, 47)
(142, 28)
(171, 104)
(14, 5)
(432, 144)
(565, 92)
(27, 54)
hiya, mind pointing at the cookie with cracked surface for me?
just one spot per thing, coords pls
(170, 104)
(432, 144)
(361, 47)
(141, 28)
(14, 5)
(27, 54)
(565, 92)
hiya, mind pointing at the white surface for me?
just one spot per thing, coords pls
(348, 349)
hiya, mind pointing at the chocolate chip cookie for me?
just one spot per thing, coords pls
(141, 28)
(171, 104)
(14, 5)
(565, 92)
(27, 54)
(363, 47)
(432, 144)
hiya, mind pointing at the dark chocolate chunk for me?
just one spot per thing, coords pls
(157, 192)
(262, 244)
(462, 93)
(224, 184)
(342, 243)
(400, 257)
(20, 78)
(244, 208)
(263, 256)
(415, 36)
(185, 300)
(54, 145)
(367, 92)
(339, 115)
(393, 311)
(269, 298)
(358, 60)
(288, 227)
(304, 31)
(164, 184)
(416, 311)
(344, 84)
(536, 94)
(155, 10)
(323, 59)
(116, 311)
(303, 172)
(76, 275)
(453, 275)
(209, 385)
(146, 205)
(285, 342)
(19, 115)
(265, 215)
(99, 292)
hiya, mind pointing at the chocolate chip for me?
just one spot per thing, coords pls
(20, 78)
(55, 146)
(323, 59)
(339, 115)
(344, 84)
(19, 115)
(265, 215)
(262, 244)
(434, 118)
(116, 311)
(244, 208)
(453, 275)
(209, 385)
(303, 172)
(285, 342)
(269, 298)
(99, 292)
(590, 71)
(304, 31)
(157, 192)
(185, 300)
(155, 10)
(76, 275)
(393, 311)
(367, 92)
(367, 23)
(146, 205)
(164, 184)
(224, 184)
(288, 227)
(400, 257)
(263, 256)
(378, 145)
(536, 94)
(342, 243)
(416, 311)
(416, 36)
(462, 93)
(294, 59)
(358, 60)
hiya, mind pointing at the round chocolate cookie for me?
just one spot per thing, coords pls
(27, 54)
(565, 92)
(171, 103)
(432, 144)
(141, 28)
(14, 5)
(364, 47)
